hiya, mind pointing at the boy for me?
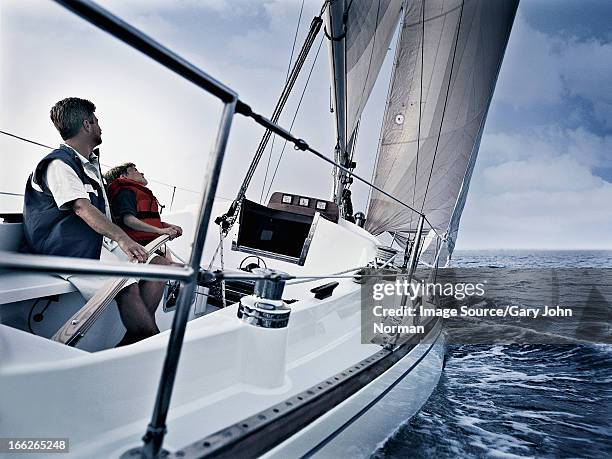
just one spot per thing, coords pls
(134, 207)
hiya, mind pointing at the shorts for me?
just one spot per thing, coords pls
(89, 284)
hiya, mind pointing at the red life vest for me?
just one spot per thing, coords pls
(147, 208)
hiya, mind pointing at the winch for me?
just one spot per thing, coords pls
(266, 308)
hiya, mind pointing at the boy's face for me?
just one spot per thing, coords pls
(134, 174)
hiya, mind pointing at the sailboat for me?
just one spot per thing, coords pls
(263, 353)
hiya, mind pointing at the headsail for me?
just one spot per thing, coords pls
(360, 32)
(447, 64)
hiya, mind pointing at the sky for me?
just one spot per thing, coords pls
(543, 178)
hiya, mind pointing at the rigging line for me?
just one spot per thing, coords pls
(450, 80)
(105, 165)
(300, 144)
(315, 27)
(314, 61)
(347, 186)
(416, 168)
(26, 140)
(297, 29)
(7, 193)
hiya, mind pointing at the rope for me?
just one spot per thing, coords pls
(304, 279)
(212, 260)
(219, 251)
(26, 140)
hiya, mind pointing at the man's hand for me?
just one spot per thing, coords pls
(169, 231)
(102, 225)
(133, 250)
(177, 228)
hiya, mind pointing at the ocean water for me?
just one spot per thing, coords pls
(516, 400)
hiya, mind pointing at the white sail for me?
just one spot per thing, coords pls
(370, 27)
(447, 64)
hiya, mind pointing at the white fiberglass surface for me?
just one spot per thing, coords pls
(228, 369)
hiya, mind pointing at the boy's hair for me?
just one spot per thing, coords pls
(68, 115)
(117, 171)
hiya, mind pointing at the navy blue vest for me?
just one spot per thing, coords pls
(51, 231)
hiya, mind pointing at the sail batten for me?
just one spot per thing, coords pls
(447, 65)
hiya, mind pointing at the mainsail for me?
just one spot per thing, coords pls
(360, 32)
(447, 62)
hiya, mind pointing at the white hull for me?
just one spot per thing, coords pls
(229, 370)
(361, 424)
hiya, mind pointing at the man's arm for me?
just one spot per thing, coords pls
(132, 222)
(102, 225)
(177, 228)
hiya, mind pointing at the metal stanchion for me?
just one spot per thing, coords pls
(156, 430)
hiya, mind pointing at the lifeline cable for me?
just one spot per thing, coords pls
(105, 165)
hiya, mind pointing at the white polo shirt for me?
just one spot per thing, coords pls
(66, 186)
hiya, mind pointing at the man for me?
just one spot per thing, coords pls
(134, 207)
(66, 213)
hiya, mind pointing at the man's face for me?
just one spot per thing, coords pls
(93, 128)
(134, 174)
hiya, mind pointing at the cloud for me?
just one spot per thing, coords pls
(543, 179)
(149, 115)
(539, 179)
(539, 190)
(530, 74)
(541, 69)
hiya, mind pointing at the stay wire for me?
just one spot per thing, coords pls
(105, 165)
(314, 30)
(297, 29)
(314, 61)
(301, 144)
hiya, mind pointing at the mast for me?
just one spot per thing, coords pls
(359, 34)
(335, 29)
